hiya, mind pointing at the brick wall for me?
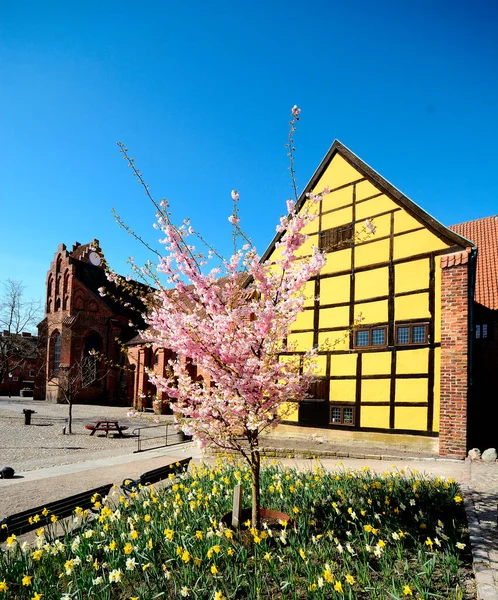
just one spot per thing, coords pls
(454, 355)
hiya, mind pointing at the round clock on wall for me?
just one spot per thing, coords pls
(94, 258)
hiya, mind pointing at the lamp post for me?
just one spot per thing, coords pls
(10, 379)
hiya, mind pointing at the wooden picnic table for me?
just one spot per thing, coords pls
(107, 425)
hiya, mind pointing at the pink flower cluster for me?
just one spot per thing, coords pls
(232, 328)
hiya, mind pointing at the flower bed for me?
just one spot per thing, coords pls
(357, 536)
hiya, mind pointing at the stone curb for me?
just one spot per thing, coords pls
(292, 453)
(485, 586)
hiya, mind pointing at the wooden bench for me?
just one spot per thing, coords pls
(32, 519)
(149, 477)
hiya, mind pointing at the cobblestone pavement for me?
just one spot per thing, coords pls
(42, 444)
(482, 501)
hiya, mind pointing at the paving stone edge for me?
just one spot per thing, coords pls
(485, 586)
(293, 453)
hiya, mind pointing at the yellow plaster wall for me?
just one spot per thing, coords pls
(417, 242)
(410, 417)
(300, 341)
(290, 411)
(382, 227)
(369, 284)
(365, 189)
(307, 248)
(321, 365)
(344, 216)
(304, 320)
(371, 253)
(411, 390)
(437, 286)
(415, 306)
(437, 388)
(372, 312)
(337, 261)
(412, 361)
(403, 222)
(374, 416)
(334, 317)
(343, 364)
(334, 290)
(343, 390)
(376, 363)
(375, 390)
(336, 199)
(333, 340)
(413, 275)
(338, 173)
(370, 208)
(309, 293)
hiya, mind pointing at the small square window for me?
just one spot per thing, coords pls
(378, 337)
(403, 335)
(336, 415)
(419, 334)
(348, 415)
(342, 415)
(412, 333)
(362, 338)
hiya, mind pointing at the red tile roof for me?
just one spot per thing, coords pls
(484, 234)
(453, 260)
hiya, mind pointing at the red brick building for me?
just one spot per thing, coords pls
(79, 321)
(20, 353)
(483, 338)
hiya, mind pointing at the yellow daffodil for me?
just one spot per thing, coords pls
(407, 590)
(327, 575)
(26, 580)
(458, 499)
(3, 586)
(338, 587)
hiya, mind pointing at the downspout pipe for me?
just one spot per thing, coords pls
(470, 341)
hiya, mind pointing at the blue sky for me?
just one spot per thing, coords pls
(200, 93)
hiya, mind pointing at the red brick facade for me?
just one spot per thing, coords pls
(78, 319)
(454, 355)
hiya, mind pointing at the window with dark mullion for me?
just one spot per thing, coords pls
(412, 333)
(341, 415)
(373, 336)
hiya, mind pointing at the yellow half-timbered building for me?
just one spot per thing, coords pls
(381, 311)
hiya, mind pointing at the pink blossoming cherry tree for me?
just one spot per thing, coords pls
(232, 322)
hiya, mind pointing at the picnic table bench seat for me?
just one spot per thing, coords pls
(106, 428)
(155, 475)
(29, 520)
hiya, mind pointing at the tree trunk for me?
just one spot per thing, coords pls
(256, 492)
(70, 420)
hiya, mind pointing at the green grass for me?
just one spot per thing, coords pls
(357, 536)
